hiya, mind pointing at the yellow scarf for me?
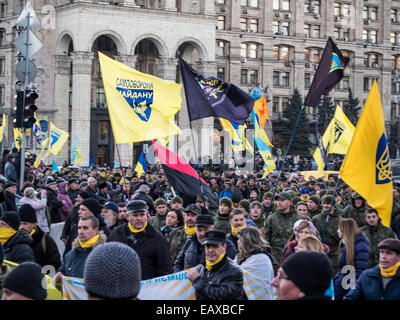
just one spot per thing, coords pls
(5, 234)
(136, 230)
(32, 232)
(209, 264)
(90, 242)
(190, 230)
(235, 231)
(389, 272)
(304, 198)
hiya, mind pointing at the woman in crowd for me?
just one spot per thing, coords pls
(354, 255)
(302, 209)
(173, 220)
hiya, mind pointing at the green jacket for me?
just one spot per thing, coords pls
(376, 234)
(222, 223)
(260, 222)
(176, 240)
(358, 214)
(157, 222)
(278, 229)
(331, 239)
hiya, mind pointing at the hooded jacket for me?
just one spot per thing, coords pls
(54, 206)
(63, 195)
(358, 214)
(74, 261)
(17, 249)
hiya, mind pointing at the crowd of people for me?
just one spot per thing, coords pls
(314, 239)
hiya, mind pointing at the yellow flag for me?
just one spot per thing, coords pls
(76, 157)
(17, 138)
(58, 138)
(141, 106)
(237, 133)
(44, 145)
(3, 126)
(337, 137)
(366, 167)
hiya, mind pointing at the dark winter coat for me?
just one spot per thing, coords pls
(54, 206)
(369, 287)
(221, 222)
(376, 234)
(45, 250)
(17, 249)
(92, 192)
(223, 282)
(73, 194)
(193, 253)
(102, 198)
(150, 245)
(361, 257)
(9, 201)
(74, 261)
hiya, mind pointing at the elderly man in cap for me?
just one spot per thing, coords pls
(10, 191)
(304, 275)
(149, 243)
(218, 277)
(16, 242)
(381, 282)
(110, 212)
(279, 224)
(193, 252)
(9, 169)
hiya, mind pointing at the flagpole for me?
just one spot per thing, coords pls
(284, 159)
(329, 211)
(119, 157)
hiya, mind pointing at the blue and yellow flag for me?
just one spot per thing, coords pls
(366, 167)
(76, 157)
(141, 166)
(58, 137)
(44, 145)
(2, 127)
(266, 155)
(55, 167)
(237, 133)
(141, 106)
(17, 138)
(337, 137)
(259, 132)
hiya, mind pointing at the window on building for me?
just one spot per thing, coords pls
(221, 48)
(243, 24)
(315, 55)
(275, 27)
(307, 55)
(2, 64)
(307, 30)
(336, 33)
(285, 101)
(243, 50)
(370, 36)
(307, 80)
(275, 79)
(370, 12)
(393, 15)
(275, 104)
(249, 3)
(252, 51)
(243, 76)
(286, 28)
(394, 110)
(336, 9)
(254, 25)
(2, 95)
(276, 53)
(3, 10)
(2, 37)
(307, 6)
(396, 62)
(316, 31)
(221, 23)
(284, 53)
(220, 1)
(283, 5)
(345, 82)
(275, 5)
(254, 77)
(221, 73)
(285, 79)
(100, 97)
(316, 8)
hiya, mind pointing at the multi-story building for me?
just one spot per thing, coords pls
(273, 44)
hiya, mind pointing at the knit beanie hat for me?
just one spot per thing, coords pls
(93, 205)
(226, 201)
(26, 279)
(113, 271)
(112, 206)
(11, 218)
(315, 199)
(27, 213)
(245, 204)
(177, 200)
(327, 199)
(160, 201)
(84, 195)
(310, 271)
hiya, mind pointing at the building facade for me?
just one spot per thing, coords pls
(273, 44)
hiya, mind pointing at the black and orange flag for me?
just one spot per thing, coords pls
(329, 72)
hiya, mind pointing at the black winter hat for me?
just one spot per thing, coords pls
(204, 220)
(84, 195)
(310, 271)
(93, 205)
(26, 279)
(11, 218)
(236, 196)
(27, 213)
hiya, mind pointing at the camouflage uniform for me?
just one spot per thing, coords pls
(331, 239)
(260, 222)
(222, 223)
(158, 221)
(358, 214)
(176, 240)
(376, 234)
(278, 229)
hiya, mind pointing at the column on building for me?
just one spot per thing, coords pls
(235, 16)
(125, 151)
(298, 16)
(169, 5)
(61, 117)
(358, 21)
(81, 87)
(299, 69)
(358, 79)
(385, 87)
(207, 7)
(328, 17)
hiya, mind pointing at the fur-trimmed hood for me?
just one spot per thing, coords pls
(102, 239)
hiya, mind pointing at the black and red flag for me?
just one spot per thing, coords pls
(181, 176)
(329, 72)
